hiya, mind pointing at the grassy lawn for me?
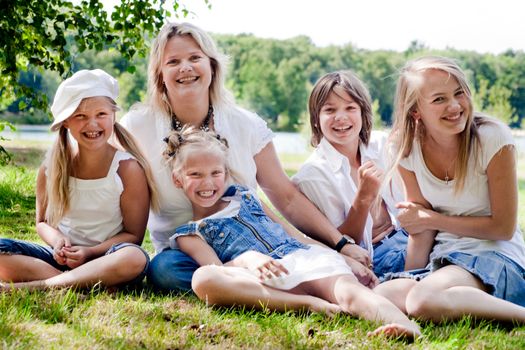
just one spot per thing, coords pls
(144, 319)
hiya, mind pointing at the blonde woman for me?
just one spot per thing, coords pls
(459, 170)
(92, 198)
(186, 75)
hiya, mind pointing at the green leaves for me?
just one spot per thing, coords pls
(36, 33)
(5, 157)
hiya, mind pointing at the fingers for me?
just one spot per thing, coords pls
(365, 275)
(357, 253)
(363, 259)
(405, 205)
(374, 281)
(58, 246)
(370, 170)
(59, 259)
(271, 269)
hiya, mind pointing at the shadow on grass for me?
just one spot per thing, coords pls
(30, 157)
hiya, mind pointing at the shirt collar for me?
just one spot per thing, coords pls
(334, 159)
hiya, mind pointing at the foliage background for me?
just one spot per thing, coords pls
(44, 42)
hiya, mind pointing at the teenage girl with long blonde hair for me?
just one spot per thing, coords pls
(459, 170)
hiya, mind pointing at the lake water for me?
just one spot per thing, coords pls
(285, 142)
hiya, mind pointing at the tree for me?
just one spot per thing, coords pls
(34, 33)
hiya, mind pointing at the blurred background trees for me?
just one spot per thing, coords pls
(272, 77)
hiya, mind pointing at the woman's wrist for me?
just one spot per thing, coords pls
(363, 201)
(433, 220)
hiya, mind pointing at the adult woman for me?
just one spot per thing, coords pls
(463, 197)
(186, 86)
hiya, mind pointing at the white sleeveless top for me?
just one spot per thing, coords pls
(94, 214)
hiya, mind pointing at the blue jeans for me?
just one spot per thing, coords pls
(45, 253)
(390, 253)
(172, 270)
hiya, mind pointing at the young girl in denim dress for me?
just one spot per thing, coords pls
(247, 259)
(92, 197)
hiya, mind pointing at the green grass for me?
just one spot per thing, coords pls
(144, 319)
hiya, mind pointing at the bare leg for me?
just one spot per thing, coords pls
(109, 270)
(21, 268)
(452, 292)
(356, 299)
(396, 291)
(225, 286)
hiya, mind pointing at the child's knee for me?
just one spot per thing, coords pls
(135, 261)
(206, 282)
(422, 302)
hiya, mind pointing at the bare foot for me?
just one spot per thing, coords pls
(323, 306)
(397, 330)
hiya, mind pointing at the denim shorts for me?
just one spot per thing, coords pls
(45, 253)
(503, 277)
(390, 253)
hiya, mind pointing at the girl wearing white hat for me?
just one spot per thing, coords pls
(92, 197)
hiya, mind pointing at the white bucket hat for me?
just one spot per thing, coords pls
(82, 84)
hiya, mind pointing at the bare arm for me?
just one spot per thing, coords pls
(48, 234)
(503, 192)
(295, 207)
(198, 249)
(363, 273)
(368, 184)
(419, 242)
(292, 231)
(262, 265)
(53, 237)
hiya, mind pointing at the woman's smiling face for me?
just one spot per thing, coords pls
(186, 70)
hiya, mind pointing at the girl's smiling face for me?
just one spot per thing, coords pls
(443, 106)
(340, 118)
(203, 180)
(92, 122)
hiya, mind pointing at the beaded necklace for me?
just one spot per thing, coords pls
(177, 125)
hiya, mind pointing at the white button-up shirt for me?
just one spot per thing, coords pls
(325, 179)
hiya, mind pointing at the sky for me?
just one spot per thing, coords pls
(485, 26)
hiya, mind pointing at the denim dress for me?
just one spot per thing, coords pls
(250, 229)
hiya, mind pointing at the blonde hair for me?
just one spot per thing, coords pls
(183, 144)
(405, 129)
(157, 94)
(60, 169)
(350, 84)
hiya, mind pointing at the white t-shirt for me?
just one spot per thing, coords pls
(474, 199)
(247, 135)
(325, 179)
